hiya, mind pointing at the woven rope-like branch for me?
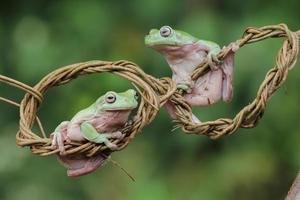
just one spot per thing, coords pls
(250, 115)
(148, 108)
(155, 92)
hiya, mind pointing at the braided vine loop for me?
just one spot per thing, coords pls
(148, 108)
(155, 93)
(250, 115)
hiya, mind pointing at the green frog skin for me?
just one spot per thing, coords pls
(184, 53)
(98, 123)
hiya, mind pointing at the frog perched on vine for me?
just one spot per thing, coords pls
(98, 123)
(184, 53)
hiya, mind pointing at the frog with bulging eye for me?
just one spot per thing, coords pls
(184, 53)
(98, 123)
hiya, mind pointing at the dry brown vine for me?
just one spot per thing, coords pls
(155, 92)
(250, 115)
(148, 108)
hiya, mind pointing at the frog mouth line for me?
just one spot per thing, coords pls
(154, 45)
(119, 109)
(168, 47)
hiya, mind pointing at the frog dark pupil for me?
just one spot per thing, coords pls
(110, 98)
(165, 32)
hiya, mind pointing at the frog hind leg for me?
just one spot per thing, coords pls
(80, 165)
(207, 90)
(227, 67)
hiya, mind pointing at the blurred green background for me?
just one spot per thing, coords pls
(39, 36)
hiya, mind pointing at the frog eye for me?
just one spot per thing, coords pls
(110, 98)
(136, 96)
(165, 31)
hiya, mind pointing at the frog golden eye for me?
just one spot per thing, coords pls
(110, 98)
(165, 31)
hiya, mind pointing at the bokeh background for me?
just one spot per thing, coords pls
(39, 36)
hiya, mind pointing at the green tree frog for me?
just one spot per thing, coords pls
(98, 123)
(183, 52)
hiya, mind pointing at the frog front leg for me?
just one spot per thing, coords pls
(59, 136)
(214, 86)
(182, 78)
(91, 134)
(226, 66)
(212, 50)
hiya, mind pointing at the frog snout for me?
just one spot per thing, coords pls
(152, 31)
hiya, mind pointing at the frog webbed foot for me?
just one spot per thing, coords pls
(184, 87)
(104, 138)
(213, 60)
(117, 135)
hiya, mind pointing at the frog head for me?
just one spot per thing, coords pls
(166, 36)
(114, 101)
(173, 44)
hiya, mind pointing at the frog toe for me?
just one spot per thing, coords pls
(183, 87)
(117, 135)
(111, 146)
(54, 145)
(213, 61)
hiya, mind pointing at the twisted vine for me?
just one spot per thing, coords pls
(250, 115)
(155, 93)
